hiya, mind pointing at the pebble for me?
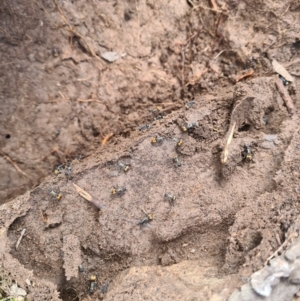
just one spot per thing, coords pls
(193, 251)
(247, 293)
(295, 276)
(270, 137)
(292, 253)
(110, 56)
(267, 144)
(104, 288)
(17, 291)
(284, 291)
(263, 280)
(235, 296)
(278, 281)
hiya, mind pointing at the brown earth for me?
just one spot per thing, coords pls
(60, 99)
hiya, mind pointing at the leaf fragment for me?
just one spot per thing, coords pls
(278, 68)
(83, 193)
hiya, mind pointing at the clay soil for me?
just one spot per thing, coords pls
(176, 76)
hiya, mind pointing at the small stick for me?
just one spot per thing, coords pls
(285, 243)
(182, 71)
(214, 5)
(208, 8)
(15, 165)
(106, 138)
(87, 100)
(285, 96)
(43, 217)
(224, 155)
(20, 238)
(244, 73)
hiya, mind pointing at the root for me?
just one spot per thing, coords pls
(7, 158)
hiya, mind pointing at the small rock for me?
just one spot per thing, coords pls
(235, 296)
(247, 293)
(270, 137)
(295, 276)
(104, 288)
(17, 291)
(31, 57)
(113, 174)
(27, 281)
(267, 144)
(193, 251)
(293, 253)
(284, 291)
(80, 269)
(110, 56)
(185, 245)
(216, 297)
(263, 280)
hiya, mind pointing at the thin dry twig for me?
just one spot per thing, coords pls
(214, 5)
(43, 217)
(285, 96)
(208, 8)
(244, 74)
(20, 238)
(280, 249)
(7, 158)
(76, 33)
(224, 155)
(87, 100)
(182, 67)
(106, 138)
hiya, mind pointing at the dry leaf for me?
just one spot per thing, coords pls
(282, 71)
(83, 193)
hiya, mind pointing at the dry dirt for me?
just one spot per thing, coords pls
(59, 102)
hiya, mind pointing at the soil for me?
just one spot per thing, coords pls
(175, 79)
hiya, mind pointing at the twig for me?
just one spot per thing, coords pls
(224, 155)
(20, 238)
(182, 70)
(191, 3)
(106, 138)
(288, 7)
(208, 8)
(243, 74)
(285, 96)
(214, 5)
(76, 33)
(219, 54)
(285, 243)
(43, 217)
(87, 100)
(15, 165)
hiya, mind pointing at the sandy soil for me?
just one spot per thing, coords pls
(61, 100)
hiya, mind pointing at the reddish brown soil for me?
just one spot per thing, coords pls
(57, 107)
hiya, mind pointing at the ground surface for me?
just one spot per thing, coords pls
(60, 100)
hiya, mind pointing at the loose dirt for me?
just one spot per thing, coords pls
(63, 105)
